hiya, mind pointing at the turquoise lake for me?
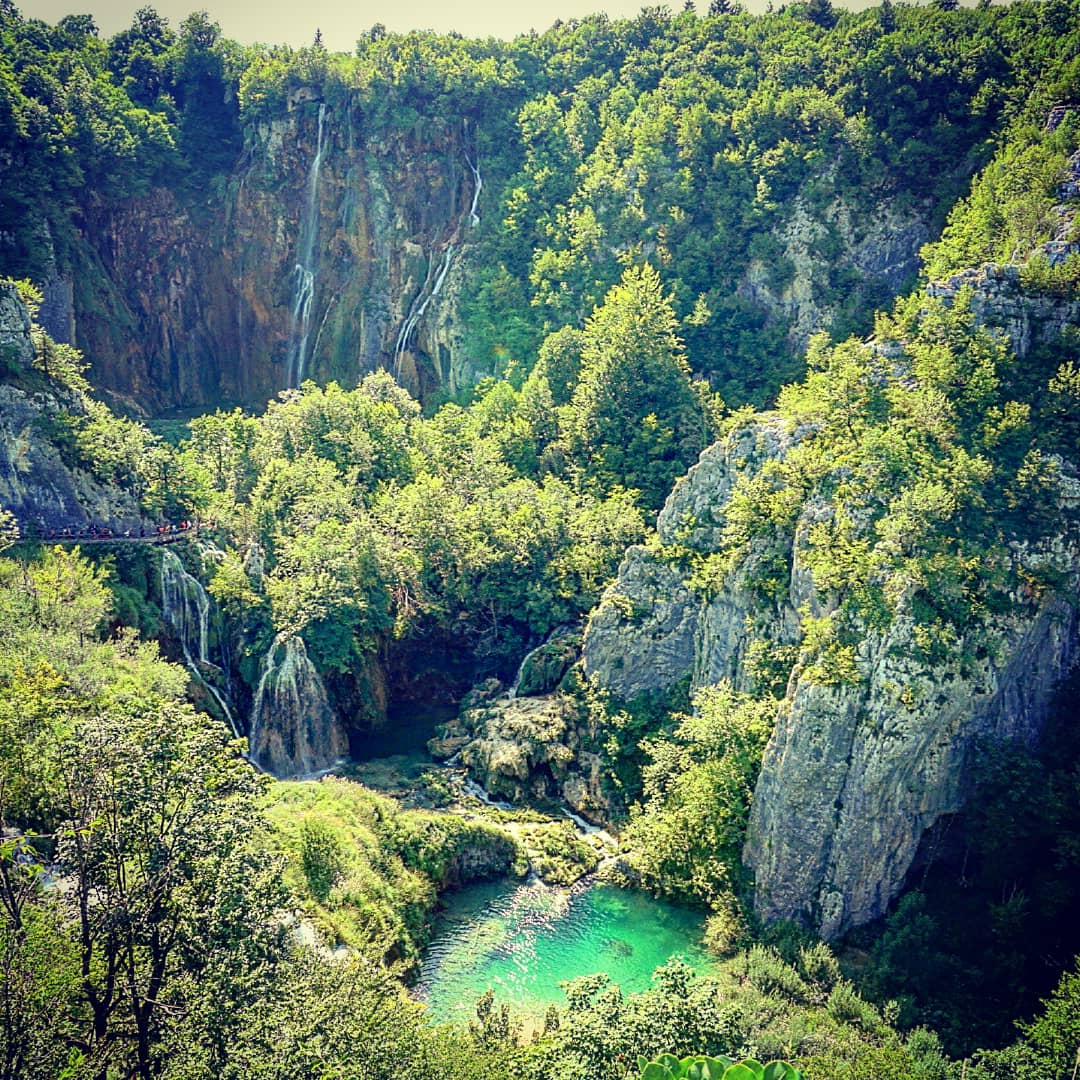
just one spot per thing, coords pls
(522, 940)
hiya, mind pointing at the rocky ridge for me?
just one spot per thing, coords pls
(856, 772)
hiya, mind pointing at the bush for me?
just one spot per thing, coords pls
(322, 857)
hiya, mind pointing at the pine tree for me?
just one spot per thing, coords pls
(634, 419)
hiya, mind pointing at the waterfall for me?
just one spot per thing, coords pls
(478, 184)
(186, 608)
(419, 306)
(430, 290)
(305, 269)
(294, 730)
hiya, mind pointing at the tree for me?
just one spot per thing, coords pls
(633, 419)
(822, 13)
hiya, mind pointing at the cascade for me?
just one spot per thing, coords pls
(305, 269)
(294, 730)
(186, 608)
(431, 289)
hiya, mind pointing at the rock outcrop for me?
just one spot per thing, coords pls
(650, 630)
(878, 247)
(999, 299)
(528, 749)
(43, 487)
(856, 771)
(854, 776)
(16, 348)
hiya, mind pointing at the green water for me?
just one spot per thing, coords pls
(521, 941)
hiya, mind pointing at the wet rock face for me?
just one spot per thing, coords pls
(545, 667)
(195, 305)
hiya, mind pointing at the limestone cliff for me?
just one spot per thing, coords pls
(650, 630)
(860, 767)
(43, 487)
(323, 254)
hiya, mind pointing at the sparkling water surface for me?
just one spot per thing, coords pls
(522, 940)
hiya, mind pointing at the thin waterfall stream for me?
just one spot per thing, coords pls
(433, 282)
(306, 268)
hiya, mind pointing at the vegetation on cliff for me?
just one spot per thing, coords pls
(653, 186)
(775, 194)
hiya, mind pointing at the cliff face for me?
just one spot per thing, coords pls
(327, 252)
(875, 247)
(857, 769)
(323, 255)
(650, 630)
(38, 484)
(854, 776)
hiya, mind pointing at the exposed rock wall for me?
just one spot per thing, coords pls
(999, 299)
(182, 303)
(855, 773)
(41, 487)
(879, 247)
(854, 776)
(650, 630)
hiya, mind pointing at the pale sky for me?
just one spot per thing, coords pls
(294, 22)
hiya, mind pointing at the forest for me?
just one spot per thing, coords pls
(706, 465)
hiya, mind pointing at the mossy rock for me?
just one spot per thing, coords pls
(545, 667)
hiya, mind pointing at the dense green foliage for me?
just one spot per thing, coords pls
(669, 1067)
(365, 871)
(706, 145)
(142, 904)
(687, 836)
(156, 894)
(378, 523)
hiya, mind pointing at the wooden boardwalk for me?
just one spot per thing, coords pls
(173, 536)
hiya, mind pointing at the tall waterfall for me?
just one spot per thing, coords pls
(186, 608)
(478, 183)
(433, 282)
(294, 729)
(306, 265)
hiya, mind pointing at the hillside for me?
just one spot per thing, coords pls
(670, 425)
